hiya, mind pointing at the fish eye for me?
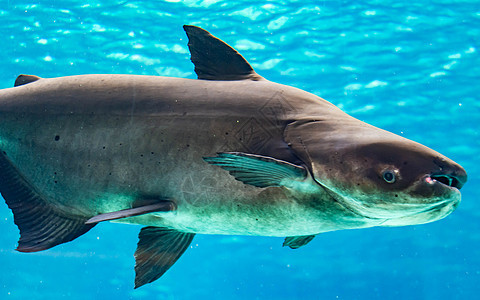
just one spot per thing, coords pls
(389, 176)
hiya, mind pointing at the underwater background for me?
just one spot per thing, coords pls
(412, 68)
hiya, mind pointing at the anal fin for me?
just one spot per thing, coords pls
(157, 250)
(42, 225)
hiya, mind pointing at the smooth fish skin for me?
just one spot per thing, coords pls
(228, 153)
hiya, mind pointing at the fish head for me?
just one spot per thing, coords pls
(379, 175)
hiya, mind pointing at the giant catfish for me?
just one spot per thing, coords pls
(229, 153)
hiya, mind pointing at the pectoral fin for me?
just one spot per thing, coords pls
(157, 250)
(296, 242)
(258, 170)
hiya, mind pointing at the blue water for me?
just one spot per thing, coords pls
(410, 68)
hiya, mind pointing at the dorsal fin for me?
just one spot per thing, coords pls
(24, 79)
(214, 59)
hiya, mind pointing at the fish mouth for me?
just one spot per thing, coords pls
(442, 190)
(452, 181)
(449, 180)
(445, 199)
(448, 173)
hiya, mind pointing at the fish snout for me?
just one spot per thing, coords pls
(449, 173)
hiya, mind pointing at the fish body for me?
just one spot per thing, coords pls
(228, 153)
